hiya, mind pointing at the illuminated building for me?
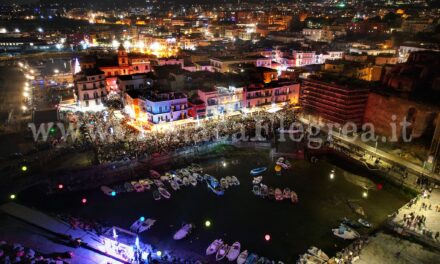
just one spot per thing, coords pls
(90, 88)
(221, 100)
(277, 92)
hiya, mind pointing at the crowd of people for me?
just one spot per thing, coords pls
(351, 253)
(116, 140)
(16, 253)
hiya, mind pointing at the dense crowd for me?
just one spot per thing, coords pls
(351, 253)
(16, 253)
(115, 140)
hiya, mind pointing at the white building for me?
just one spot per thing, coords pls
(90, 88)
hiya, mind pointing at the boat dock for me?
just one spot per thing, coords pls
(91, 250)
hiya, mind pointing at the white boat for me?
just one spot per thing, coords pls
(213, 248)
(107, 190)
(256, 190)
(309, 259)
(345, 232)
(278, 194)
(242, 257)
(156, 195)
(364, 222)
(318, 253)
(257, 180)
(235, 180)
(222, 252)
(294, 197)
(224, 183)
(146, 225)
(193, 181)
(183, 232)
(185, 181)
(174, 185)
(234, 251)
(229, 180)
(146, 183)
(158, 183)
(164, 192)
(164, 178)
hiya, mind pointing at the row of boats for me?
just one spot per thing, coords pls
(218, 187)
(142, 225)
(264, 191)
(346, 231)
(232, 253)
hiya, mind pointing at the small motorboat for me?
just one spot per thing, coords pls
(222, 252)
(356, 208)
(349, 222)
(214, 247)
(278, 194)
(183, 232)
(251, 259)
(364, 223)
(108, 191)
(234, 251)
(286, 193)
(193, 181)
(138, 187)
(145, 225)
(318, 253)
(235, 180)
(256, 190)
(185, 181)
(294, 197)
(174, 185)
(258, 171)
(224, 183)
(128, 187)
(146, 183)
(158, 183)
(345, 232)
(242, 257)
(154, 174)
(257, 180)
(164, 192)
(214, 185)
(156, 195)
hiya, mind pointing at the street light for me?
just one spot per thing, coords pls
(375, 148)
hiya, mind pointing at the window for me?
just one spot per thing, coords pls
(86, 96)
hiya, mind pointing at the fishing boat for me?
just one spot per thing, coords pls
(183, 232)
(256, 190)
(215, 245)
(138, 187)
(128, 187)
(174, 185)
(224, 183)
(154, 174)
(242, 257)
(235, 180)
(252, 258)
(213, 184)
(145, 225)
(257, 180)
(222, 252)
(156, 195)
(294, 197)
(318, 253)
(349, 222)
(286, 193)
(258, 171)
(364, 223)
(234, 251)
(164, 192)
(345, 232)
(107, 190)
(278, 194)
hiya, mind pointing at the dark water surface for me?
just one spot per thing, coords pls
(239, 215)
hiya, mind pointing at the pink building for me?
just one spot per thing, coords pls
(278, 92)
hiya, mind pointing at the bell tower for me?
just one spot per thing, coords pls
(122, 56)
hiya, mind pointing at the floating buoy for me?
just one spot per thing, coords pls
(278, 168)
(84, 200)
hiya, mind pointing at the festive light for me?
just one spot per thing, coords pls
(60, 186)
(12, 196)
(207, 223)
(365, 194)
(24, 168)
(159, 253)
(142, 218)
(267, 237)
(113, 193)
(84, 200)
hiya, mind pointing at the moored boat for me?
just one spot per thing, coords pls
(138, 187)
(364, 223)
(234, 251)
(154, 174)
(156, 195)
(108, 191)
(128, 187)
(192, 181)
(214, 185)
(145, 225)
(286, 193)
(241, 259)
(349, 222)
(257, 180)
(183, 232)
(345, 232)
(224, 183)
(256, 190)
(164, 192)
(235, 180)
(222, 252)
(318, 253)
(174, 185)
(146, 183)
(264, 191)
(293, 197)
(278, 194)
(258, 171)
(214, 247)
(356, 208)
(252, 258)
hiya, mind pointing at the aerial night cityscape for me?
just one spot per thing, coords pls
(228, 131)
